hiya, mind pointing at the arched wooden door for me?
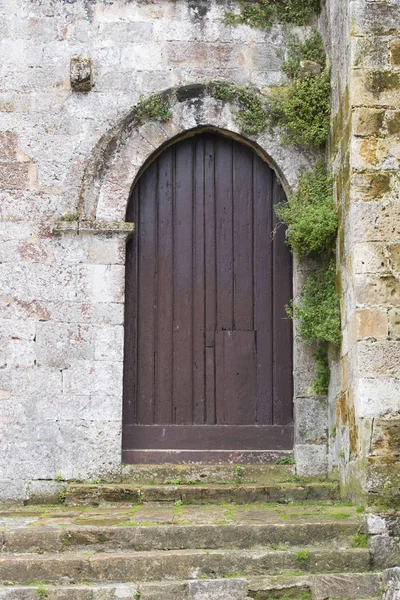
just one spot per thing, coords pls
(208, 345)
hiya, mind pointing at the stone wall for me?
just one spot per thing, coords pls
(365, 153)
(69, 155)
(70, 151)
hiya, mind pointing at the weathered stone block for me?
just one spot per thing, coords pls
(394, 323)
(377, 290)
(368, 323)
(81, 74)
(373, 88)
(370, 52)
(14, 176)
(8, 145)
(378, 358)
(370, 258)
(60, 344)
(395, 52)
(310, 418)
(370, 185)
(392, 122)
(311, 460)
(368, 121)
(222, 589)
(376, 397)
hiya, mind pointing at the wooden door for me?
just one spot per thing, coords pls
(208, 345)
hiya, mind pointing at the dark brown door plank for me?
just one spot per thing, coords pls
(282, 333)
(224, 233)
(243, 239)
(183, 284)
(147, 273)
(210, 276)
(212, 437)
(262, 189)
(198, 286)
(236, 372)
(164, 288)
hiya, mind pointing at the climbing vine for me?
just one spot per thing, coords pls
(263, 13)
(312, 225)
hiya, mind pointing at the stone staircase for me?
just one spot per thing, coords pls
(189, 533)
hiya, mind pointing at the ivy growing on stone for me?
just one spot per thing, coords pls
(263, 13)
(310, 214)
(153, 108)
(252, 115)
(312, 225)
(312, 49)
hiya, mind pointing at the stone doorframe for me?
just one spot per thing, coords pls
(118, 160)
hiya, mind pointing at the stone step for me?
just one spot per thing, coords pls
(208, 474)
(179, 537)
(176, 565)
(97, 494)
(342, 586)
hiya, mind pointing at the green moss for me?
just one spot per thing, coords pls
(41, 592)
(317, 311)
(285, 460)
(302, 110)
(61, 497)
(303, 558)
(360, 540)
(322, 372)
(311, 49)
(252, 115)
(263, 13)
(71, 217)
(154, 108)
(310, 214)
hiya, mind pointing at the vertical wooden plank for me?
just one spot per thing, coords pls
(131, 273)
(224, 233)
(183, 283)
(236, 377)
(147, 303)
(243, 238)
(165, 289)
(282, 325)
(210, 275)
(262, 191)
(198, 284)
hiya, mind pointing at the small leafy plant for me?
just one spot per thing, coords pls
(252, 115)
(310, 214)
(153, 108)
(311, 49)
(302, 110)
(285, 460)
(317, 310)
(263, 13)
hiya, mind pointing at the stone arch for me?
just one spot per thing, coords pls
(127, 148)
(124, 152)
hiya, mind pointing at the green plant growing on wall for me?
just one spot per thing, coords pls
(311, 49)
(310, 214)
(316, 311)
(317, 316)
(302, 110)
(263, 13)
(153, 108)
(252, 115)
(302, 107)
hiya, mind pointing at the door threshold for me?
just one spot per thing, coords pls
(208, 457)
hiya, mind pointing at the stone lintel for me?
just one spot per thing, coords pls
(99, 227)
